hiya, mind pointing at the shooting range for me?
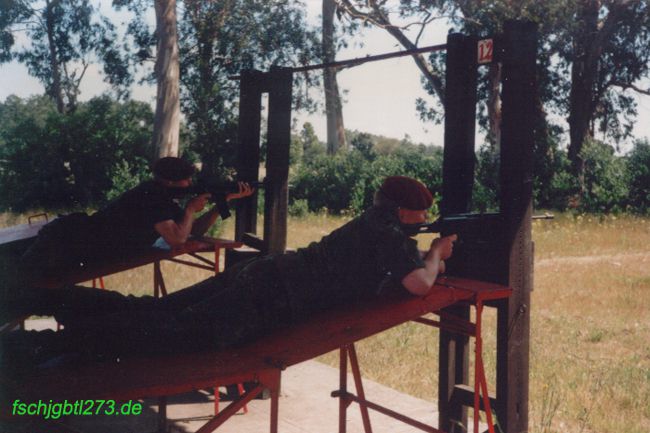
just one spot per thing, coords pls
(384, 216)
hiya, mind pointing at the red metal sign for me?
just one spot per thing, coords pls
(485, 51)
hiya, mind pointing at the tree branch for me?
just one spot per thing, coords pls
(379, 19)
(631, 86)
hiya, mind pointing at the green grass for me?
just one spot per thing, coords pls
(590, 324)
(590, 328)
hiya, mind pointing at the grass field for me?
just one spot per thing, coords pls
(590, 330)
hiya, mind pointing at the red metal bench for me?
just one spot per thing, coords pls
(263, 361)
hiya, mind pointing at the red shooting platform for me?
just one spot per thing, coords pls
(263, 361)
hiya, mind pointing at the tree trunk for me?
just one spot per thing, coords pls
(55, 91)
(591, 36)
(335, 128)
(583, 75)
(494, 105)
(167, 117)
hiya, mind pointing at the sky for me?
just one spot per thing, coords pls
(379, 97)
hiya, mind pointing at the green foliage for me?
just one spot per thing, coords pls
(327, 182)
(51, 160)
(298, 208)
(64, 38)
(312, 147)
(348, 181)
(564, 188)
(638, 167)
(220, 39)
(364, 144)
(486, 180)
(605, 178)
(127, 175)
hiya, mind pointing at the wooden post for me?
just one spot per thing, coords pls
(248, 148)
(460, 120)
(458, 179)
(519, 47)
(277, 159)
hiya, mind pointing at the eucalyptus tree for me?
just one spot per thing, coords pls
(333, 106)
(167, 119)
(220, 39)
(606, 48)
(62, 38)
(166, 71)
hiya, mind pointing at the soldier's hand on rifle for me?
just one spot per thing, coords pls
(196, 204)
(245, 190)
(445, 246)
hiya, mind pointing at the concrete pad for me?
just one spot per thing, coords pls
(306, 406)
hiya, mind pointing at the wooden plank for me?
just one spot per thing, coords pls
(277, 159)
(460, 119)
(516, 179)
(248, 147)
(132, 378)
(458, 180)
(464, 395)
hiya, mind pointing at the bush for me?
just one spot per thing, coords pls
(327, 182)
(51, 161)
(638, 167)
(299, 208)
(348, 181)
(127, 175)
(564, 186)
(605, 178)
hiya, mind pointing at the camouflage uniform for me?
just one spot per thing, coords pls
(365, 257)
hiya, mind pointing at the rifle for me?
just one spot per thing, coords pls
(450, 221)
(218, 192)
(222, 189)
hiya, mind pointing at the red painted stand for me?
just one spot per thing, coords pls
(452, 324)
(260, 362)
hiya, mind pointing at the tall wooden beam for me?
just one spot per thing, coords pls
(458, 179)
(277, 159)
(248, 148)
(519, 47)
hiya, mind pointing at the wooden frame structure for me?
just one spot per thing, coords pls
(495, 247)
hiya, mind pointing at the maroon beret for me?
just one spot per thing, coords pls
(407, 192)
(173, 169)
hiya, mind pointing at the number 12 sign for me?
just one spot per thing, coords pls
(485, 49)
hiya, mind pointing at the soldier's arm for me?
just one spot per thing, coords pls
(421, 280)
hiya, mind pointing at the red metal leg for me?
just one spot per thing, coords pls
(274, 387)
(230, 410)
(480, 382)
(240, 390)
(358, 383)
(216, 399)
